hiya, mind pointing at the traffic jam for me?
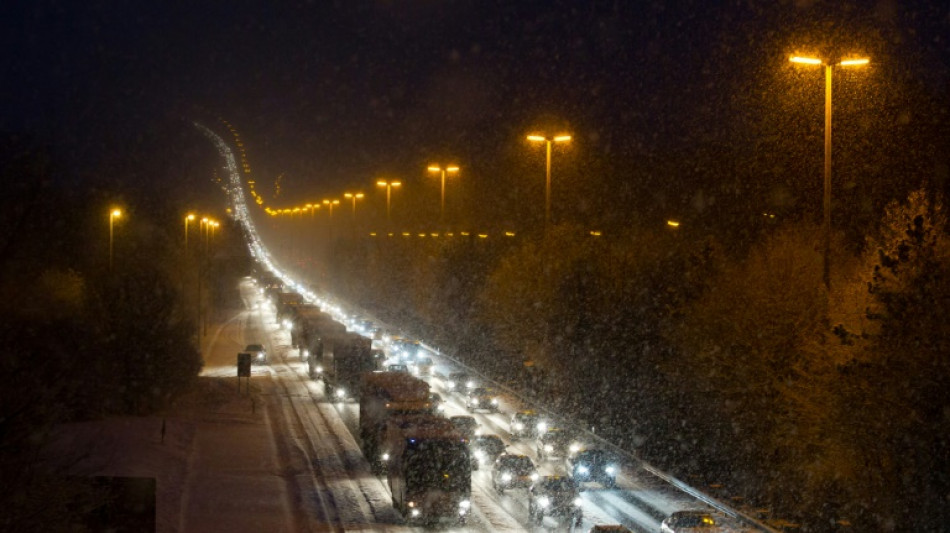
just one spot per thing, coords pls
(434, 430)
(414, 406)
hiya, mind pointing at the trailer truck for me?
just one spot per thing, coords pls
(429, 468)
(383, 395)
(346, 357)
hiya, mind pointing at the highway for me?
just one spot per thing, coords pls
(347, 494)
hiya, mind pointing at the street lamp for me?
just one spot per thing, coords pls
(330, 204)
(203, 225)
(113, 214)
(443, 170)
(547, 183)
(354, 197)
(188, 218)
(826, 222)
(389, 188)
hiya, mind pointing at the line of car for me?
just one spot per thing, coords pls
(557, 496)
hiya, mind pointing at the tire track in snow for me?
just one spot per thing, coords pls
(358, 498)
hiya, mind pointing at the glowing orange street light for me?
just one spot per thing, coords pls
(354, 197)
(188, 218)
(826, 222)
(547, 140)
(443, 170)
(388, 184)
(113, 214)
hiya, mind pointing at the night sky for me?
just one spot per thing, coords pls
(331, 95)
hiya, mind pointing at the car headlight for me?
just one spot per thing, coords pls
(306, 353)
(260, 355)
(494, 401)
(470, 384)
(385, 457)
(506, 477)
(548, 448)
(415, 513)
(465, 504)
(450, 384)
(519, 426)
(534, 476)
(583, 469)
(341, 393)
(542, 427)
(319, 369)
(611, 470)
(440, 407)
(544, 501)
(574, 448)
(578, 501)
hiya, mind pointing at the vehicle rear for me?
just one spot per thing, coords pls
(430, 478)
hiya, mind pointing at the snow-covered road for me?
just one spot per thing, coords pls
(348, 493)
(345, 493)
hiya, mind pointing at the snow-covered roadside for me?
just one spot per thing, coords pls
(215, 451)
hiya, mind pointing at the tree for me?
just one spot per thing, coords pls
(904, 381)
(753, 362)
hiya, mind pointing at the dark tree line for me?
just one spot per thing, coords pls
(80, 341)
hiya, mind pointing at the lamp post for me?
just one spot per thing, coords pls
(826, 220)
(113, 214)
(205, 221)
(548, 141)
(188, 218)
(353, 197)
(443, 170)
(330, 204)
(388, 184)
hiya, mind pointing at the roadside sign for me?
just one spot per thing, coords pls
(244, 365)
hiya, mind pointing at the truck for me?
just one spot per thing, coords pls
(302, 320)
(315, 332)
(382, 395)
(346, 357)
(283, 306)
(428, 468)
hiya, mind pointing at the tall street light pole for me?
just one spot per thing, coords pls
(353, 197)
(388, 184)
(188, 218)
(439, 168)
(826, 222)
(113, 214)
(330, 204)
(548, 140)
